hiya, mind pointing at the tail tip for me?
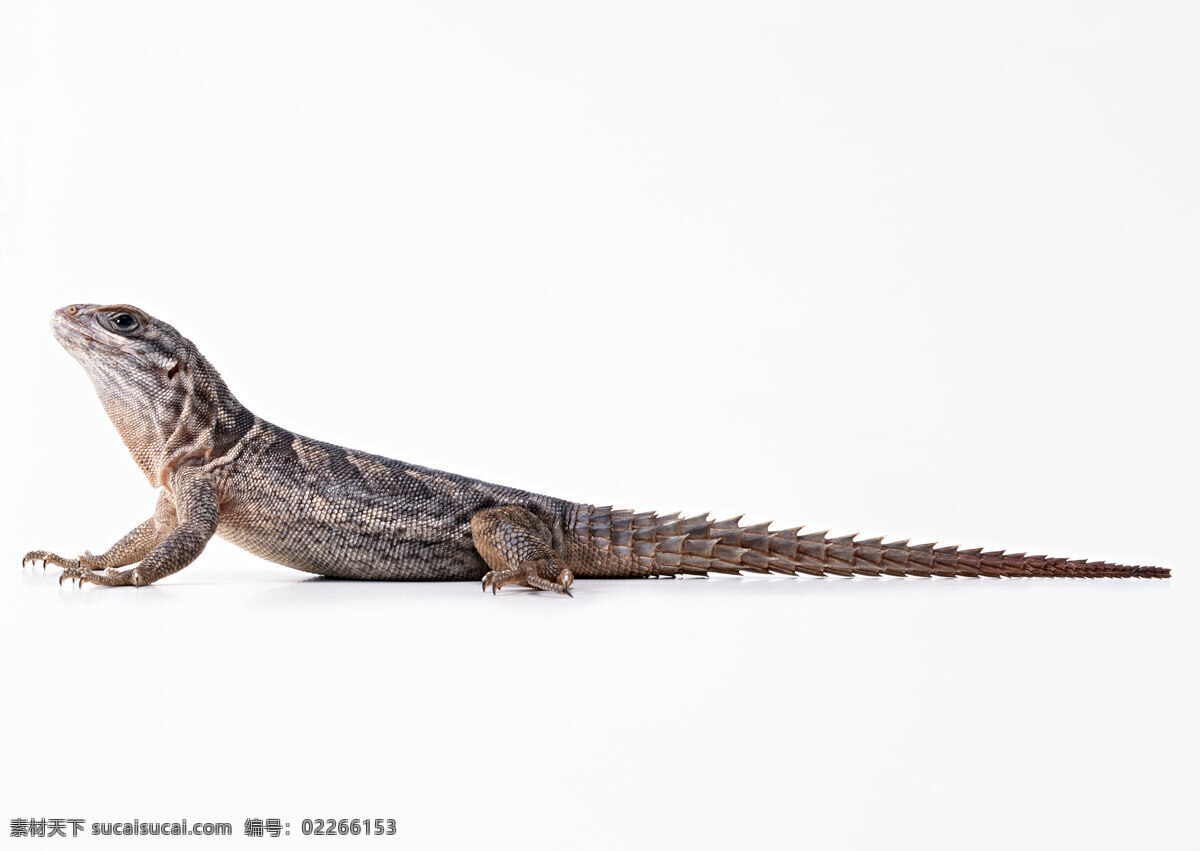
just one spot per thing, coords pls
(1151, 572)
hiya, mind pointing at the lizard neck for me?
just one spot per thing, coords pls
(193, 419)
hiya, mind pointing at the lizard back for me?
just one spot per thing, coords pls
(338, 512)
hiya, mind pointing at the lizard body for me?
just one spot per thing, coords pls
(337, 512)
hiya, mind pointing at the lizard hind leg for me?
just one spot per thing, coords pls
(518, 547)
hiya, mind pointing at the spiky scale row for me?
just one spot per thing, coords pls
(610, 542)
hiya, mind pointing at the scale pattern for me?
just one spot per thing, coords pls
(347, 514)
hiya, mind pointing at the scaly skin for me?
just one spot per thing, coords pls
(338, 512)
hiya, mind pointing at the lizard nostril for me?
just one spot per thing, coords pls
(72, 310)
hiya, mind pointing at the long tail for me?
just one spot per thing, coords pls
(604, 542)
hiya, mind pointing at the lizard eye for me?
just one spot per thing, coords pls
(121, 323)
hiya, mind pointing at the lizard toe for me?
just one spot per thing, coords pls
(49, 558)
(542, 584)
(497, 579)
(37, 555)
(70, 574)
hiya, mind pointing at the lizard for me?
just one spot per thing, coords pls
(324, 509)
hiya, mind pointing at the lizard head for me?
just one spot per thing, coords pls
(167, 401)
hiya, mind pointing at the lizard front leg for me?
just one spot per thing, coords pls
(518, 547)
(197, 511)
(133, 547)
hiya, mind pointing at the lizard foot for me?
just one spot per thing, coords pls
(84, 561)
(539, 574)
(110, 577)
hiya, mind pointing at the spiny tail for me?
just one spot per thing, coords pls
(624, 544)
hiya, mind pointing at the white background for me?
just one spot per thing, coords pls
(921, 269)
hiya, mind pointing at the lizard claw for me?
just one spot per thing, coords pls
(497, 579)
(112, 576)
(530, 574)
(49, 558)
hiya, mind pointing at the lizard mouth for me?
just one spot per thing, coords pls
(63, 329)
(74, 336)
